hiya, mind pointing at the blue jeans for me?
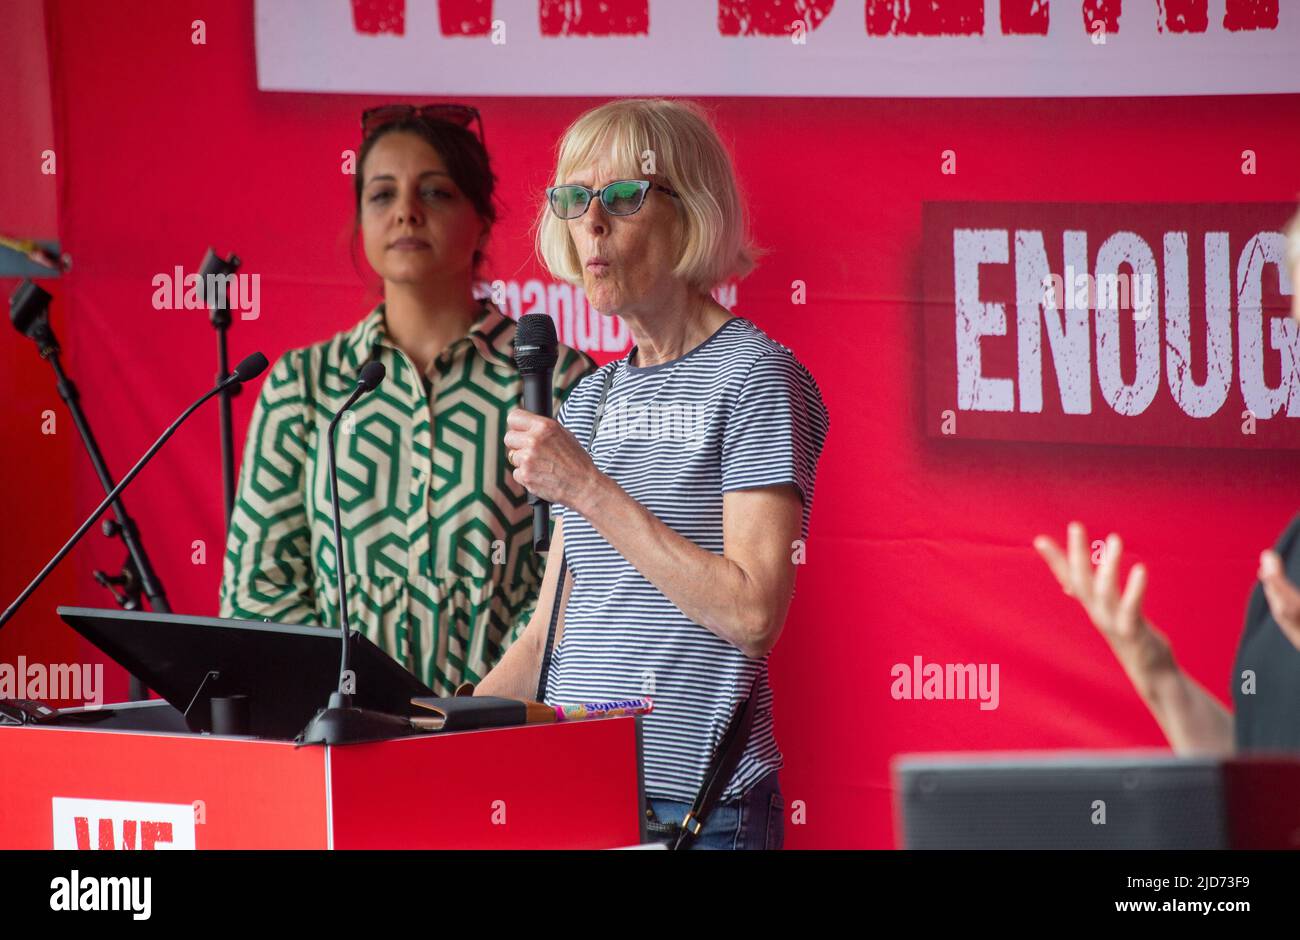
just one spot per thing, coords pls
(755, 821)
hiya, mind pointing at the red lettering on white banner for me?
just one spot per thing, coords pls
(121, 824)
(608, 18)
(769, 17)
(796, 48)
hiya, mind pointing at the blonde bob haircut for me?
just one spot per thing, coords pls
(674, 143)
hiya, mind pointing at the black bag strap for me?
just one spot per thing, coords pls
(564, 560)
(725, 760)
(550, 634)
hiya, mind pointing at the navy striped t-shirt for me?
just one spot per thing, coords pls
(736, 412)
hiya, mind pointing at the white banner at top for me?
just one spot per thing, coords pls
(791, 48)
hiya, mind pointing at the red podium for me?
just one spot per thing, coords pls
(549, 786)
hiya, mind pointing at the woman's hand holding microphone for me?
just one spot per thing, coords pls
(549, 461)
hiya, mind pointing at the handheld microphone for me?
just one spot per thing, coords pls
(250, 368)
(535, 355)
(339, 722)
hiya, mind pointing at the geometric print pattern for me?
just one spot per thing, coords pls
(441, 572)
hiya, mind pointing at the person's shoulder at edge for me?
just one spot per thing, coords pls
(745, 337)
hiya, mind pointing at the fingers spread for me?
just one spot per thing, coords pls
(1130, 605)
(1056, 561)
(1107, 582)
(1080, 562)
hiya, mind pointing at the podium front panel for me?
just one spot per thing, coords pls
(77, 788)
(574, 785)
(551, 786)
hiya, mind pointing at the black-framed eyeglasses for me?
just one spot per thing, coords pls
(462, 115)
(621, 197)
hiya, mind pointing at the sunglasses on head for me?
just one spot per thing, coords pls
(462, 115)
(621, 197)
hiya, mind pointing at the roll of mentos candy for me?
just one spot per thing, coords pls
(589, 710)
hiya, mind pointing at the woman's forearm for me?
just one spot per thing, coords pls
(711, 590)
(1194, 721)
(515, 674)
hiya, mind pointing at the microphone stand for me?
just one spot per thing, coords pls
(212, 269)
(339, 722)
(29, 310)
(249, 368)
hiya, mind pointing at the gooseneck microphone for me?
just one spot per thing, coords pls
(535, 356)
(371, 375)
(339, 722)
(250, 368)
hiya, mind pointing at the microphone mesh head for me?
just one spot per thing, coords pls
(26, 306)
(251, 367)
(372, 373)
(535, 343)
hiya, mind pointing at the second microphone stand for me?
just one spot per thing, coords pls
(215, 274)
(29, 310)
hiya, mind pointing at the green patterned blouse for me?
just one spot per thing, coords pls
(441, 572)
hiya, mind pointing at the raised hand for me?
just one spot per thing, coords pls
(1141, 649)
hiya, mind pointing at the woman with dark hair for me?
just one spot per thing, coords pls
(440, 568)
